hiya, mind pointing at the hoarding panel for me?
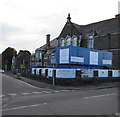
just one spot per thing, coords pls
(43, 71)
(33, 70)
(37, 71)
(77, 59)
(64, 55)
(107, 58)
(65, 73)
(109, 62)
(87, 73)
(93, 58)
(50, 71)
(115, 73)
(83, 56)
(103, 73)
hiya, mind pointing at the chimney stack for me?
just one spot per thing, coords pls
(48, 40)
(117, 16)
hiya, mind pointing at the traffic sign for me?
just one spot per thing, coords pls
(22, 66)
(53, 56)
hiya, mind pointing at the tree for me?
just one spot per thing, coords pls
(7, 56)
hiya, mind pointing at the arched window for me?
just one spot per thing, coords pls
(62, 42)
(68, 41)
(74, 41)
(90, 42)
(79, 41)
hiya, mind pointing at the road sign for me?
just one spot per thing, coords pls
(53, 58)
(22, 66)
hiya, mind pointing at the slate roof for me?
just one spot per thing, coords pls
(70, 29)
(53, 44)
(78, 27)
(103, 27)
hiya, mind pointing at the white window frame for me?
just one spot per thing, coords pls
(62, 42)
(74, 40)
(91, 41)
(40, 55)
(79, 41)
(68, 40)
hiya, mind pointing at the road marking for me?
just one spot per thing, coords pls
(21, 107)
(46, 92)
(25, 93)
(117, 114)
(37, 92)
(1, 96)
(72, 90)
(65, 90)
(97, 96)
(12, 94)
(56, 91)
(4, 105)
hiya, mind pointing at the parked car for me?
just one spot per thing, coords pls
(2, 71)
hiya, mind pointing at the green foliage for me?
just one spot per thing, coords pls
(7, 56)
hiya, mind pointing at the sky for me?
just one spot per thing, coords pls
(24, 24)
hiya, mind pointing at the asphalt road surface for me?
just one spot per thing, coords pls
(20, 98)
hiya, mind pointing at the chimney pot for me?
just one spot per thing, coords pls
(48, 40)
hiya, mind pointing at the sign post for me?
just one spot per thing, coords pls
(53, 73)
(53, 77)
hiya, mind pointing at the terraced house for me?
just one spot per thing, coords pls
(102, 35)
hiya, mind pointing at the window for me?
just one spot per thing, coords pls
(62, 42)
(40, 55)
(68, 41)
(90, 42)
(74, 41)
(79, 41)
(37, 56)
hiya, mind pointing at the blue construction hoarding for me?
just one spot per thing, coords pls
(82, 56)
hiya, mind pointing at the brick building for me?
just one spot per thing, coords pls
(103, 35)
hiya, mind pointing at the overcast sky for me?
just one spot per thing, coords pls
(25, 23)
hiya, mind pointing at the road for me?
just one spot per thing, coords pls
(20, 98)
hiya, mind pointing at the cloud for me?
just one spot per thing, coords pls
(25, 23)
(19, 38)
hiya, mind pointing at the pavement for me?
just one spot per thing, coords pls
(46, 85)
